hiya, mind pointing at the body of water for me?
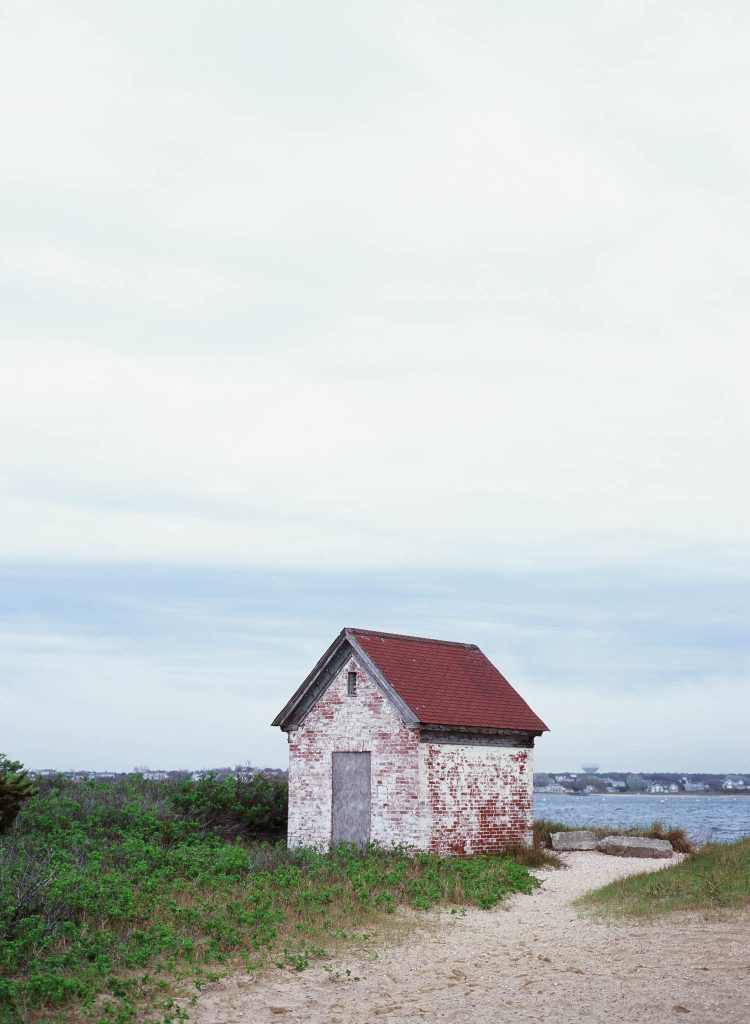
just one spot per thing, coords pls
(717, 818)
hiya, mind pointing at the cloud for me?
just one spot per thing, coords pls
(189, 666)
(116, 704)
(451, 293)
(664, 730)
(465, 457)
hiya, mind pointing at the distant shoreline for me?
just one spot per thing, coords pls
(658, 796)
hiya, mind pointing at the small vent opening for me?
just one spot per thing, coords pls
(351, 684)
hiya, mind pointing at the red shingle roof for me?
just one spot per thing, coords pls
(447, 683)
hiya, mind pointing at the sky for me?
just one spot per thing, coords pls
(430, 318)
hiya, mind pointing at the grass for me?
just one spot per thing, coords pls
(534, 856)
(115, 898)
(119, 901)
(717, 875)
(543, 829)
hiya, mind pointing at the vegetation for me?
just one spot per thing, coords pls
(116, 897)
(15, 790)
(717, 875)
(543, 829)
(635, 783)
(533, 856)
(619, 783)
(252, 805)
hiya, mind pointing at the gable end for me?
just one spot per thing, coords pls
(325, 671)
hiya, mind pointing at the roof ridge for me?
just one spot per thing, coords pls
(406, 636)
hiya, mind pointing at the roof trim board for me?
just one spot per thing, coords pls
(308, 681)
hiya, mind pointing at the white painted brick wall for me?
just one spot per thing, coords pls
(367, 721)
(447, 798)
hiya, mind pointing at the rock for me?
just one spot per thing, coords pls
(635, 846)
(573, 840)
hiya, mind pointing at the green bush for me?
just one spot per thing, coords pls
(113, 890)
(15, 790)
(252, 805)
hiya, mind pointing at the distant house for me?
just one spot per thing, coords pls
(402, 739)
(612, 784)
(694, 787)
(728, 784)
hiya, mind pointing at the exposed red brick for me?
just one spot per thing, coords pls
(447, 798)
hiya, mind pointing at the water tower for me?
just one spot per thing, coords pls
(591, 768)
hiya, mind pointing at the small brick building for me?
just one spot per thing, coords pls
(401, 739)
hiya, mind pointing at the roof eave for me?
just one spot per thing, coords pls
(287, 712)
(526, 730)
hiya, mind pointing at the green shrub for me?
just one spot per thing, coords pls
(253, 806)
(128, 888)
(15, 790)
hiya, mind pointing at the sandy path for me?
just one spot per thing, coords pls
(536, 959)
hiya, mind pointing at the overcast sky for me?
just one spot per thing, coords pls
(423, 317)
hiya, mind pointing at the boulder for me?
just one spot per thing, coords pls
(573, 840)
(635, 846)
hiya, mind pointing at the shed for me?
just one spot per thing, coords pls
(407, 740)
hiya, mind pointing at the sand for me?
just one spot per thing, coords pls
(536, 958)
